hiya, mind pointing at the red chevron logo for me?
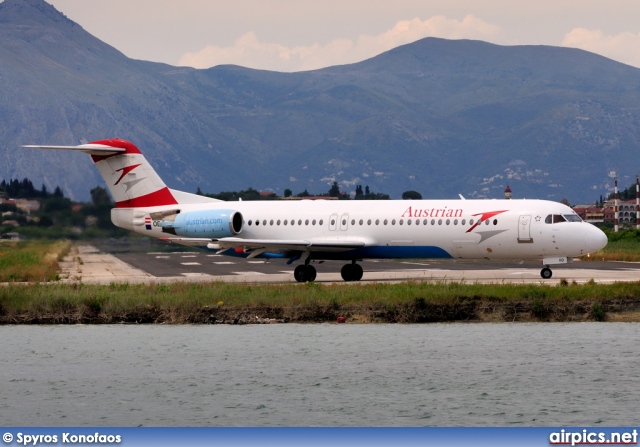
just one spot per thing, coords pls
(483, 217)
(125, 171)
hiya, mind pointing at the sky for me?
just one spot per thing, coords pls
(297, 35)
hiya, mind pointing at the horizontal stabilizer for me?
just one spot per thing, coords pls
(90, 148)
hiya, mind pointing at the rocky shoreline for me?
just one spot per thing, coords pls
(415, 312)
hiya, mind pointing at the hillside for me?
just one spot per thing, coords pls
(437, 116)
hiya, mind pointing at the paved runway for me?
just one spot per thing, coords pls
(144, 262)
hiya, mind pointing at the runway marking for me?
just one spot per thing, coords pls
(214, 256)
(224, 263)
(192, 275)
(256, 262)
(162, 257)
(190, 263)
(414, 263)
(189, 256)
(287, 271)
(248, 273)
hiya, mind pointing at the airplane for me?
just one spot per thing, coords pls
(348, 230)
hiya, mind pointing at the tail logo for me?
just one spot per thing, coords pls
(125, 171)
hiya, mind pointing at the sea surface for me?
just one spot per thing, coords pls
(321, 375)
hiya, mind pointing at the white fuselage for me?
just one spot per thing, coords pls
(465, 229)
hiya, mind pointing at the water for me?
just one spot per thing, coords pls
(321, 375)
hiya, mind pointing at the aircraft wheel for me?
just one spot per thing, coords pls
(310, 273)
(298, 273)
(546, 273)
(345, 272)
(351, 272)
(305, 273)
(357, 272)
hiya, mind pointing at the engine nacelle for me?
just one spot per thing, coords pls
(205, 223)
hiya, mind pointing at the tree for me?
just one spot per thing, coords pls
(334, 191)
(288, 192)
(411, 195)
(199, 191)
(100, 197)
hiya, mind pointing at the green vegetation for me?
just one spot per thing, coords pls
(31, 261)
(409, 302)
(622, 246)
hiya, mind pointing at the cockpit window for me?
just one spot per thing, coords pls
(557, 218)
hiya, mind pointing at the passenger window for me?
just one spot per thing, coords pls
(385, 221)
(369, 222)
(377, 221)
(439, 221)
(393, 222)
(408, 221)
(486, 222)
(495, 221)
(455, 222)
(249, 222)
(361, 222)
(401, 221)
(306, 222)
(313, 222)
(424, 222)
(321, 221)
(448, 221)
(271, 222)
(470, 221)
(433, 221)
(353, 222)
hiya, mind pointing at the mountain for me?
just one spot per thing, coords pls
(437, 116)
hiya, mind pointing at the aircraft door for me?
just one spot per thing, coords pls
(344, 222)
(333, 222)
(524, 230)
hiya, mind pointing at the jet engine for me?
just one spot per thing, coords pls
(213, 224)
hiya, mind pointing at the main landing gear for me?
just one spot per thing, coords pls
(351, 272)
(546, 272)
(307, 273)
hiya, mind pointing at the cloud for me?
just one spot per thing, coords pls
(249, 51)
(620, 47)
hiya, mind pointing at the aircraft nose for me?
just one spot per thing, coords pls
(596, 239)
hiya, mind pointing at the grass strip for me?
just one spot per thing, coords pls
(408, 302)
(31, 261)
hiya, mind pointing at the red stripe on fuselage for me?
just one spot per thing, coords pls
(160, 197)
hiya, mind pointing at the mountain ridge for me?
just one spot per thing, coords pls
(437, 116)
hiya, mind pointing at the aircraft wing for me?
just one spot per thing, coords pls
(303, 245)
(267, 245)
